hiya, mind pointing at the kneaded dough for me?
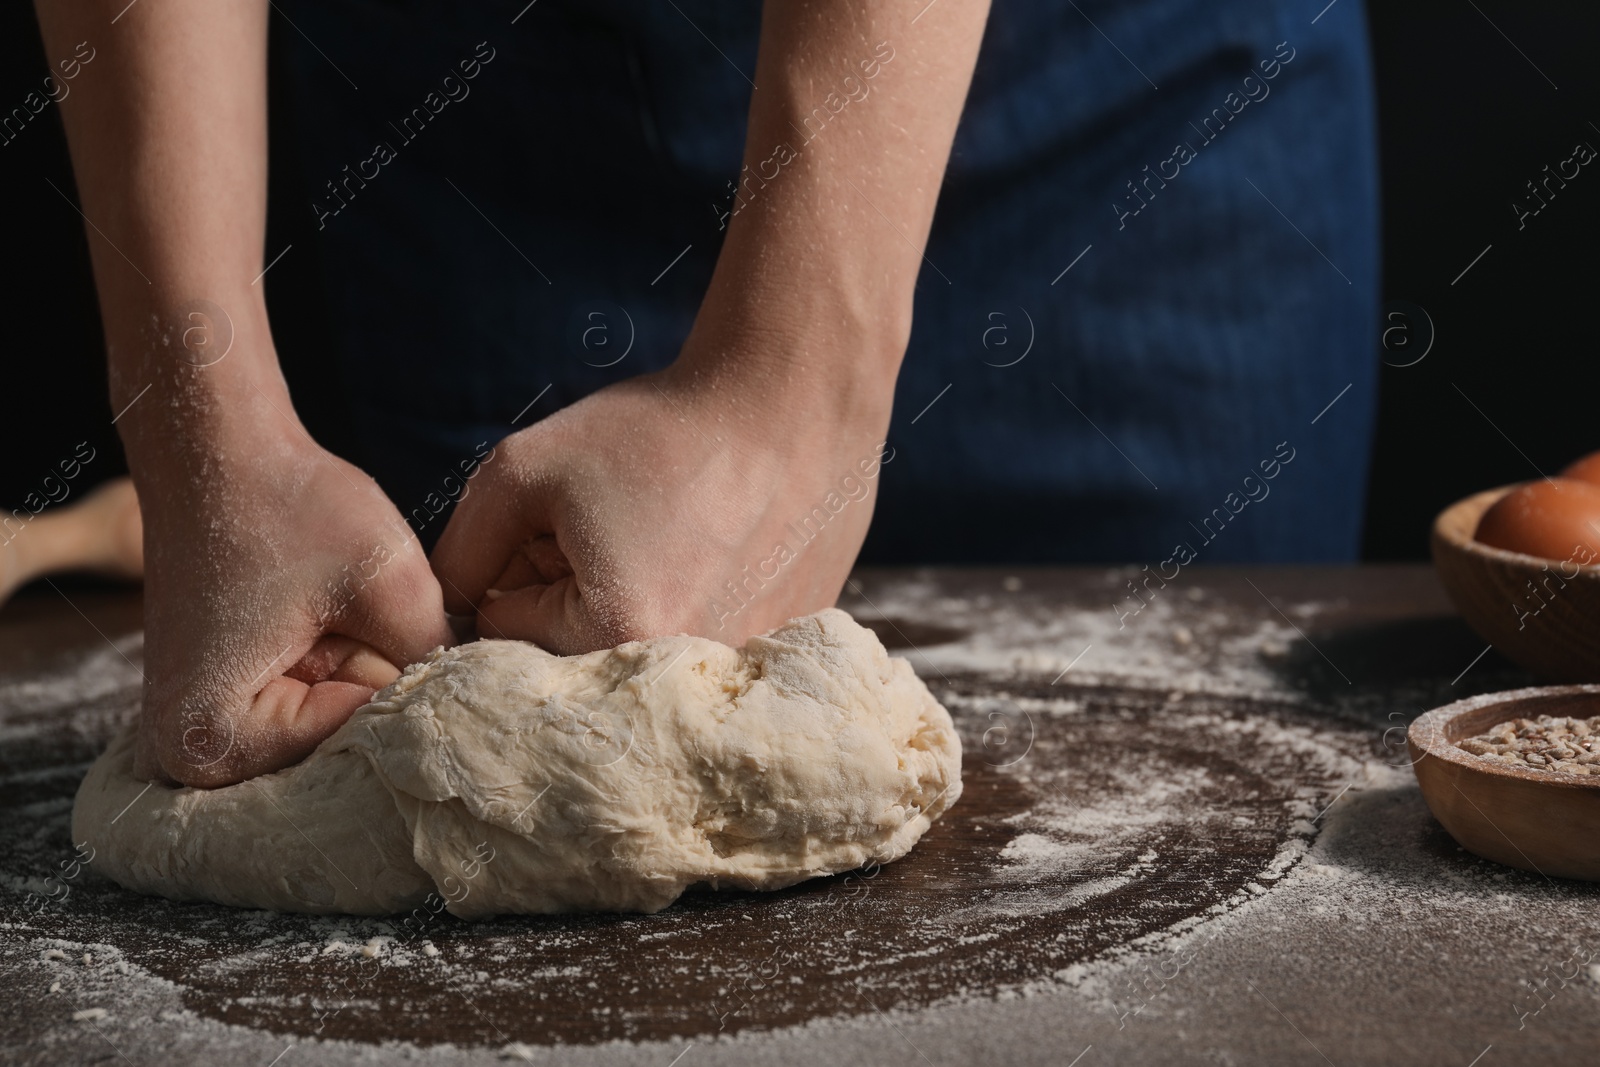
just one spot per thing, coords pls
(506, 779)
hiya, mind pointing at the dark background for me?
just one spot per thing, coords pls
(1467, 118)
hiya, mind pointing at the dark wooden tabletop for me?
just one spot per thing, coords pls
(1187, 810)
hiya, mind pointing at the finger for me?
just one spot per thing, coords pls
(537, 561)
(399, 612)
(486, 531)
(282, 725)
(279, 725)
(344, 659)
(544, 555)
(554, 616)
(289, 719)
(519, 573)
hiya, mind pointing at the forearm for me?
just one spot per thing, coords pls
(849, 135)
(168, 137)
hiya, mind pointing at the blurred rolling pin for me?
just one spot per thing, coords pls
(101, 533)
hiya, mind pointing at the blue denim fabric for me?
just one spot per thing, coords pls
(516, 252)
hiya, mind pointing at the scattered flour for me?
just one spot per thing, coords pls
(1359, 876)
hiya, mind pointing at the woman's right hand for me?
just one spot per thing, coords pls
(281, 589)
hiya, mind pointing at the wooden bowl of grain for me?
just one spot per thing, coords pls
(1543, 614)
(1501, 807)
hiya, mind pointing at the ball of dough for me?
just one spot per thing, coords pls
(506, 779)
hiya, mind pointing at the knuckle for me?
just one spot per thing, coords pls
(197, 746)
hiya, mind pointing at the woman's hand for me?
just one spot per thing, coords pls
(669, 503)
(733, 490)
(281, 589)
(281, 586)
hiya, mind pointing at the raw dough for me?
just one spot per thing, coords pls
(507, 779)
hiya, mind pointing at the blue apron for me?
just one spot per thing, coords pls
(1148, 315)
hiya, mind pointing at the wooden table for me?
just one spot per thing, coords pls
(1188, 832)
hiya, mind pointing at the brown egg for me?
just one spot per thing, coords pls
(1586, 469)
(1557, 519)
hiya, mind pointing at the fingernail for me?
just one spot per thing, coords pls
(492, 594)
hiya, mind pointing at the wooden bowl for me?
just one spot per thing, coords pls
(1543, 614)
(1541, 821)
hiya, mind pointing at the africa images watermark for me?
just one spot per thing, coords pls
(743, 591)
(1580, 557)
(1582, 154)
(56, 886)
(411, 126)
(52, 490)
(452, 489)
(56, 90)
(856, 90)
(1538, 986)
(1541, 191)
(1185, 153)
(1255, 489)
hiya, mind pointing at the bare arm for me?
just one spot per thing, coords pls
(260, 640)
(168, 131)
(733, 490)
(817, 272)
